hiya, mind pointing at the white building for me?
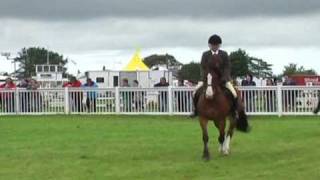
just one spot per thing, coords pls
(111, 78)
(49, 76)
(135, 70)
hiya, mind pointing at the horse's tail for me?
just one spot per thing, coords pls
(242, 122)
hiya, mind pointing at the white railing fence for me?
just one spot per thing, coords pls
(268, 100)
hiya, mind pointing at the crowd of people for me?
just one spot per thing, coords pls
(136, 100)
(80, 100)
(27, 101)
(130, 101)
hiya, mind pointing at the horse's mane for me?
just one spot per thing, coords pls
(213, 67)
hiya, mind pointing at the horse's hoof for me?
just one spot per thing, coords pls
(206, 158)
(225, 153)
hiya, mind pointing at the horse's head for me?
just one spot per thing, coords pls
(213, 76)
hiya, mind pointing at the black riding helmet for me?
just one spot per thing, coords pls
(215, 40)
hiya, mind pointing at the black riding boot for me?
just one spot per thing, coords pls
(235, 104)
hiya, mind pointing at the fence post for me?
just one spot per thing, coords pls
(117, 100)
(17, 101)
(66, 100)
(170, 100)
(279, 97)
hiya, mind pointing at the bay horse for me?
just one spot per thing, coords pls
(217, 104)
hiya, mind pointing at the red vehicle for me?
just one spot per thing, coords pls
(303, 80)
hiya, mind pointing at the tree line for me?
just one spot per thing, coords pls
(242, 64)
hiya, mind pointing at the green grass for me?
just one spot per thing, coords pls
(154, 147)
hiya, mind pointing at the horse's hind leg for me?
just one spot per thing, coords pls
(205, 138)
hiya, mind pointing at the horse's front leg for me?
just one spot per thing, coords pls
(205, 138)
(223, 140)
(226, 143)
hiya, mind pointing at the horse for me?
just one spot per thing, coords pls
(216, 103)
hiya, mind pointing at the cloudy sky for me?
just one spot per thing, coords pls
(99, 32)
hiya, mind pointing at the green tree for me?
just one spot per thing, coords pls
(240, 63)
(28, 58)
(190, 72)
(168, 60)
(293, 69)
(260, 68)
(243, 64)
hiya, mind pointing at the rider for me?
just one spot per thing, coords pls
(214, 44)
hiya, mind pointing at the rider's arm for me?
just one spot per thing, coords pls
(203, 67)
(226, 68)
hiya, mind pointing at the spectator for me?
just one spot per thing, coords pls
(91, 99)
(7, 97)
(270, 97)
(24, 95)
(162, 83)
(126, 96)
(35, 98)
(288, 81)
(125, 82)
(9, 84)
(249, 95)
(191, 83)
(289, 96)
(275, 81)
(24, 83)
(33, 84)
(75, 95)
(67, 84)
(181, 97)
(163, 95)
(138, 97)
(269, 82)
(248, 81)
(136, 83)
(180, 82)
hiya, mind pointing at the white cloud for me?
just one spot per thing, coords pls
(105, 40)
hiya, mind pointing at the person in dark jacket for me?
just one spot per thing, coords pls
(163, 95)
(248, 81)
(289, 96)
(91, 95)
(249, 95)
(127, 96)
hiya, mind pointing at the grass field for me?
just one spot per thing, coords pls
(154, 147)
